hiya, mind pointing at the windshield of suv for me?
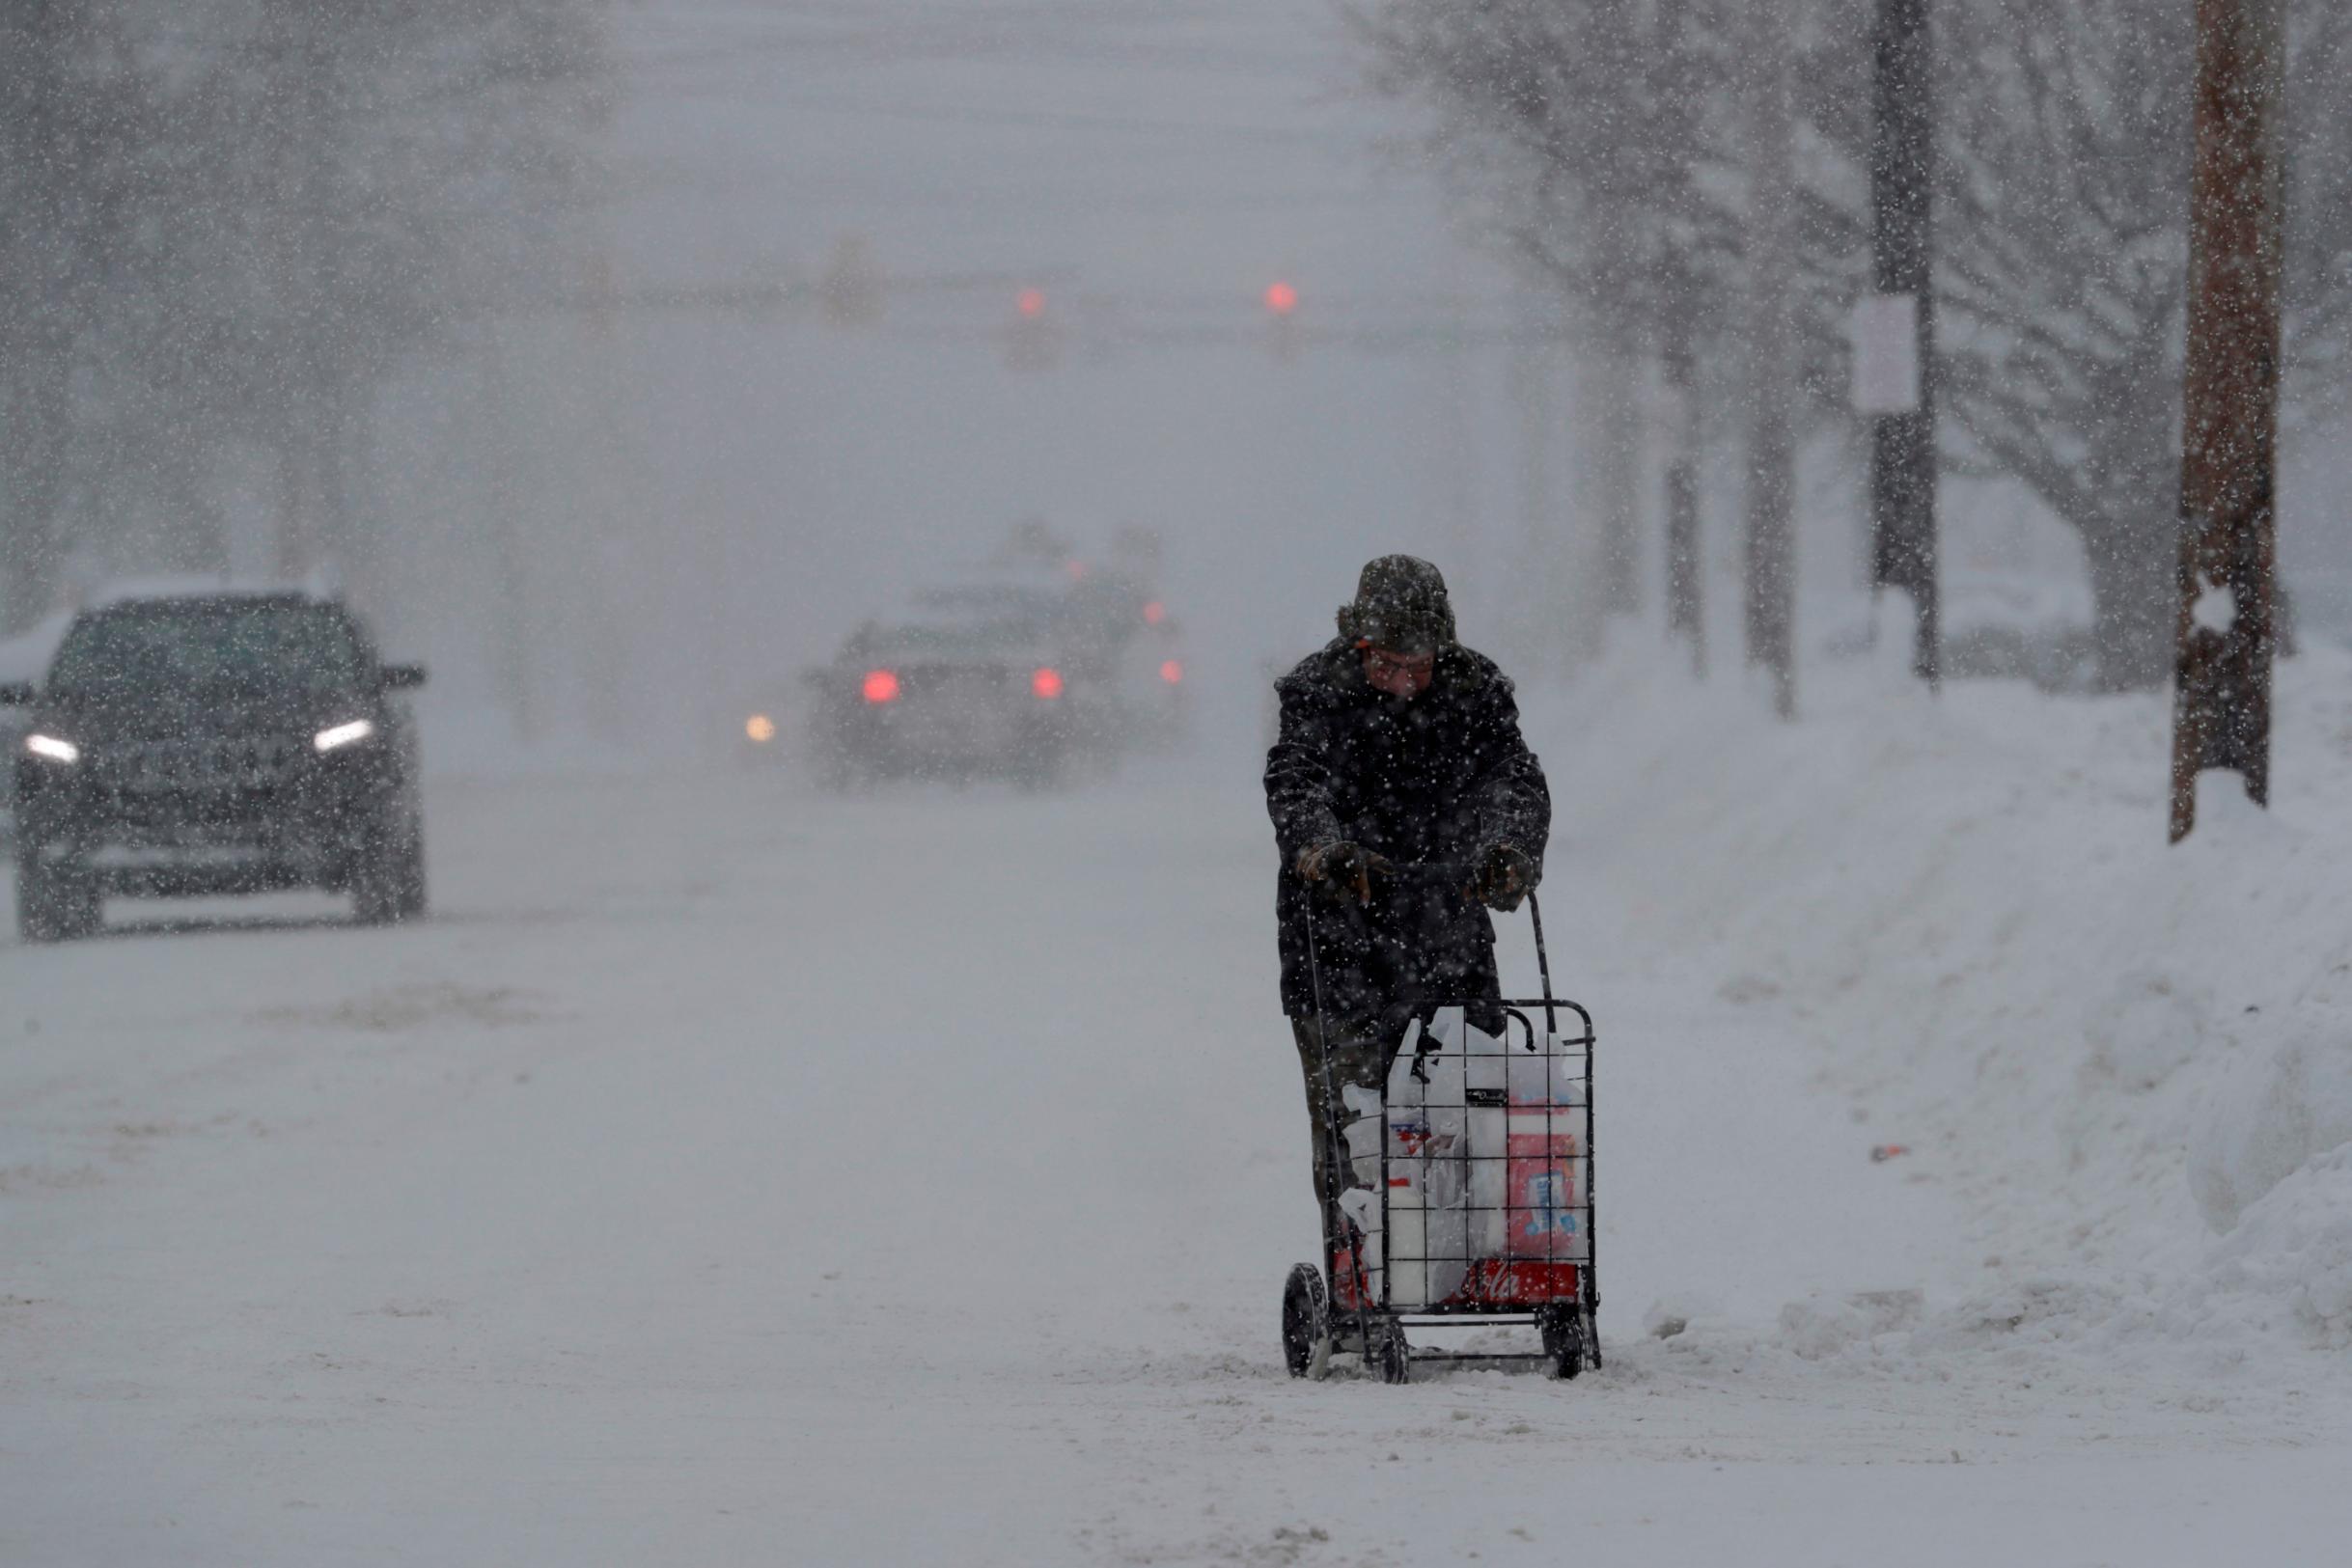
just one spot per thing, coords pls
(206, 645)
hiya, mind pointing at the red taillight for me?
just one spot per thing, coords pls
(1171, 671)
(1046, 683)
(881, 686)
(1154, 612)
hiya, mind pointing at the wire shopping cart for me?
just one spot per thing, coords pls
(1466, 1187)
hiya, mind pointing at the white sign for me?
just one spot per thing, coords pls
(1886, 333)
(2216, 609)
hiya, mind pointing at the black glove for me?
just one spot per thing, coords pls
(1343, 868)
(1502, 877)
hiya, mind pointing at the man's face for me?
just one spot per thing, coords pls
(1397, 671)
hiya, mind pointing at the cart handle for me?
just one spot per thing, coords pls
(1518, 1008)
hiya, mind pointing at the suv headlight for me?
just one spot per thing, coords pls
(335, 737)
(56, 748)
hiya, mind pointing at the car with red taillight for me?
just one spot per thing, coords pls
(954, 698)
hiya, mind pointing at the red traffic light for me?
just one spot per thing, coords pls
(1030, 302)
(1046, 683)
(1281, 298)
(881, 686)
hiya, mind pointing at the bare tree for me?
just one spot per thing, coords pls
(388, 151)
(1599, 142)
(1578, 133)
(226, 222)
(69, 118)
(2061, 266)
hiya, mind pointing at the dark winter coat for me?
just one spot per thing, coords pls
(1436, 780)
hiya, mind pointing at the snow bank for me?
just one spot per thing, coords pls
(2271, 1117)
(2133, 1063)
(2295, 1243)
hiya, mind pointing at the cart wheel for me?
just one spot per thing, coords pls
(1564, 1340)
(1305, 1324)
(1395, 1357)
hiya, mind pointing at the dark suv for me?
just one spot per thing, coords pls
(215, 744)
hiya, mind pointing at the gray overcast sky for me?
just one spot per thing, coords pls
(1177, 144)
(1158, 165)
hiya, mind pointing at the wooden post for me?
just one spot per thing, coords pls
(2230, 439)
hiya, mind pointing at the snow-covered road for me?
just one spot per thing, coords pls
(731, 1174)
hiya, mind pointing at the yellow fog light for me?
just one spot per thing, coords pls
(761, 728)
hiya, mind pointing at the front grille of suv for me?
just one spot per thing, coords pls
(243, 763)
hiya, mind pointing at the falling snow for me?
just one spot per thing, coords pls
(786, 517)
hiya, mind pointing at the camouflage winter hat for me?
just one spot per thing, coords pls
(1400, 603)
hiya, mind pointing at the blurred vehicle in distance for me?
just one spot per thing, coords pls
(1157, 681)
(964, 691)
(1035, 665)
(214, 742)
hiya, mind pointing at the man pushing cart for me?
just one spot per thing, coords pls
(1452, 1179)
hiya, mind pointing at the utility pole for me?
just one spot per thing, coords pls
(599, 567)
(1771, 498)
(1557, 576)
(2229, 438)
(515, 621)
(1903, 257)
(1679, 371)
(1609, 416)
(1679, 357)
